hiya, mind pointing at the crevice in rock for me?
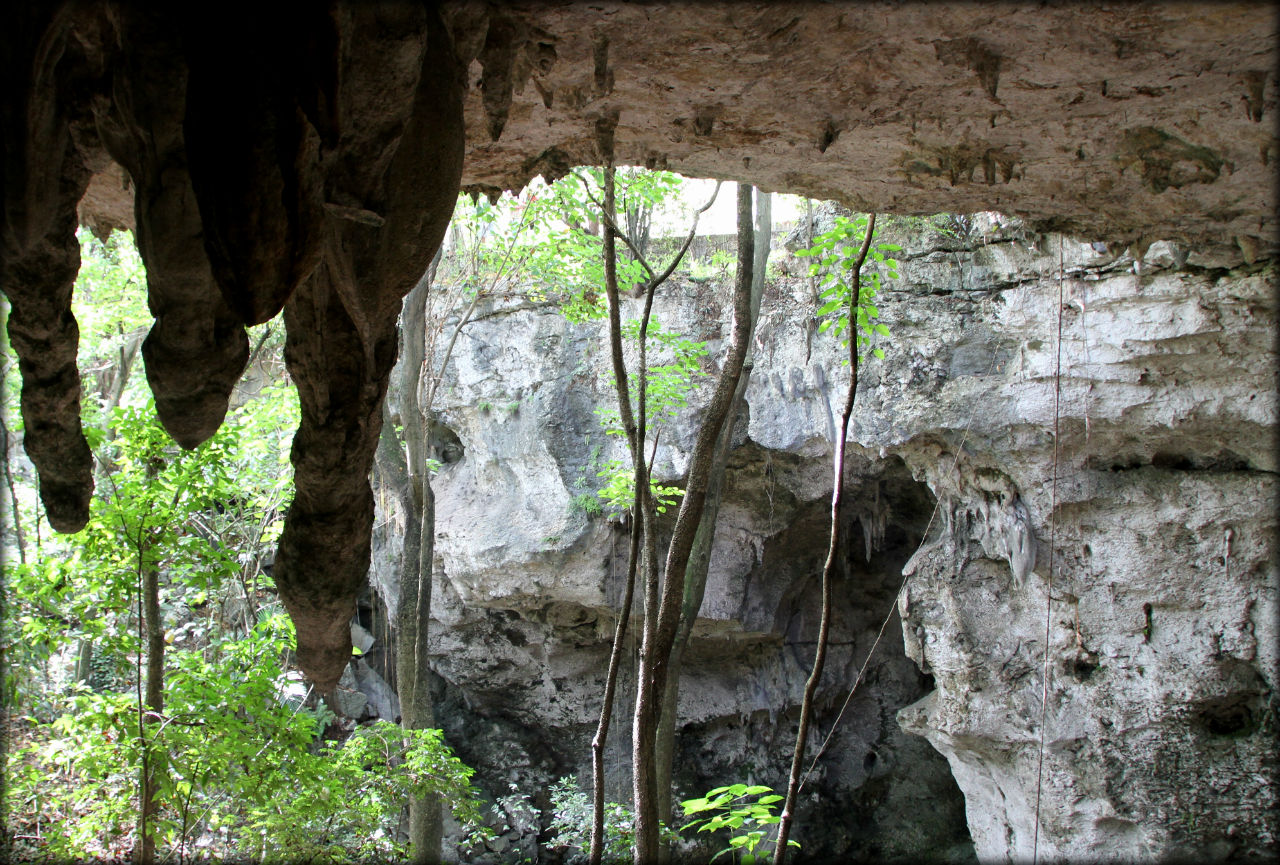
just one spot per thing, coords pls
(877, 792)
(445, 444)
(1224, 461)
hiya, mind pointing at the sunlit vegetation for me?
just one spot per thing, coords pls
(154, 708)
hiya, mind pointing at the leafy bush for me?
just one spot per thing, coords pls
(674, 368)
(571, 825)
(745, 810)
(586, 503)
(239, 769)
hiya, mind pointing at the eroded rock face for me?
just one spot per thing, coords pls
(317, 170)
(1154, 578)
(1159, 731)
(1124, 123)
(528, 581)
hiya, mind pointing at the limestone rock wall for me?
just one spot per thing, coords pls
(306, 158)
(1158, 539)
(1126, 122)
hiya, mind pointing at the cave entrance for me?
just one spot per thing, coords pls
(876, 792)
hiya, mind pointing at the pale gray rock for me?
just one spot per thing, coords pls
(382, 700)
(347, 699)
(1158, 733)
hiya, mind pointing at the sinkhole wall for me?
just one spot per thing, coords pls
(1150, 557)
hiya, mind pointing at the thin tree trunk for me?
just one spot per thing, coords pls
(151, 705)
(154, 702)
(700, 557)
(111, 397)
(656, 647)
(644, 515)
(610, 689)
(837, 489)
(105, 465)
(635, 434)
(635, 446)
(13, 493)
(426, 826)
(414, 613)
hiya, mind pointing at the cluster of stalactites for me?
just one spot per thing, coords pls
(306, 160)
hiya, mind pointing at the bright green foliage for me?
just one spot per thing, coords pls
(240, 768)
(238, 760)
(587, 504)
(143, 518)
(344, 802)
(571, 825)
(834, 253)
(110, 306)
(747, 811)
(545, 243)
(110, 292)
(672, 373)
(619, 490)
(673, 369)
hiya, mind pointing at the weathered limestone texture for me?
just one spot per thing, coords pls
(1159, 731)
(528, 581)
(315, 173)
(1154, 566)
(308, 155)
(1128, 122)
(307, 158)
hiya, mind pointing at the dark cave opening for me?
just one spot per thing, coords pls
(876, 792)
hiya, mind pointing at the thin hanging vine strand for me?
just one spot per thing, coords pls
(964, 438)
(1048, 599)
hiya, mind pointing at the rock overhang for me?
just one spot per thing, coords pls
(1126, 123)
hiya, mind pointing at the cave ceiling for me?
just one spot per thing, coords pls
(1119, 122)
(306, 158)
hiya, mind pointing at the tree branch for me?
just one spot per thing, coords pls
(837, 489)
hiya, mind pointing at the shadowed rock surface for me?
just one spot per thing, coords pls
(317, 170)
(1166, 413)
(307, 158)
(325, 154)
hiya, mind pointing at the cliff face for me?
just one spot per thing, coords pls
(1150, 561)
(306, 159)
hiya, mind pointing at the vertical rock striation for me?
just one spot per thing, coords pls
(43, 178)
(317, 169)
